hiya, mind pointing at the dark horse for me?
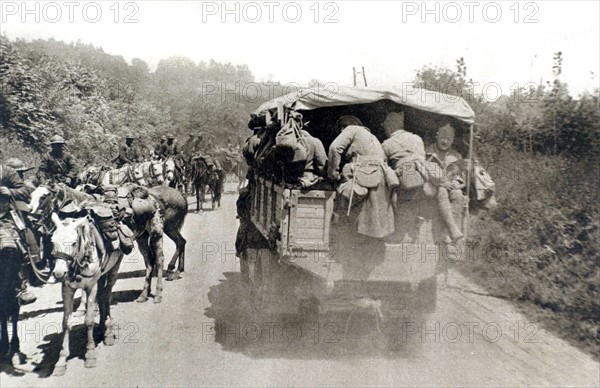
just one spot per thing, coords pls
(233, 163)
(201, 177)
(10, 262)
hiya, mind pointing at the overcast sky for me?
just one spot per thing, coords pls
(503, 42)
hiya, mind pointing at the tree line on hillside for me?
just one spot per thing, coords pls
(93, 98)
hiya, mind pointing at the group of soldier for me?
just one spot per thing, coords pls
(354, 148)
(129, 153)
(15, 191)
(404, 155)
(387, 186)
(58, 166)
(168, 147)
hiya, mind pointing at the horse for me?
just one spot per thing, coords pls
(202, 177)
(147, 174)
(175, 174)
(233, 163)
(152, 173)
(10, 263)
(170, 209)
(241, 171)
(92, 175)
(169, 171)
(88, 261)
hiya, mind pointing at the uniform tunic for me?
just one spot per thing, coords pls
(403, 147)
(375, 218)
(168, 150)
(127, 155)
(316, 159)
(57, 168)
(10, 179)
(455, 185)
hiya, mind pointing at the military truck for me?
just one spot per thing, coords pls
(303, 230)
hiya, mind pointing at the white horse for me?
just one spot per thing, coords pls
(147, 174)
(84, 260)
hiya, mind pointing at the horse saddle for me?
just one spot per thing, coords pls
(134, 200)
(139, 200)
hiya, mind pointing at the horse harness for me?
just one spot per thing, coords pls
(91, 251)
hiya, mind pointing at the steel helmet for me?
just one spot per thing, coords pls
(57, 139)
(17, 164)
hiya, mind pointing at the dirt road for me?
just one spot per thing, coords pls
(207, 333)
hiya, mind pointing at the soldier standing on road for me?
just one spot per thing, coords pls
(128, 153)
(58, 165)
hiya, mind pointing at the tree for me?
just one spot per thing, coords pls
(447, 81)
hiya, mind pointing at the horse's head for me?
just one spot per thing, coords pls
(169, 170)
(138, 174)
(39, 198)
(74, 247)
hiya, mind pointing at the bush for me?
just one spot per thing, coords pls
(542, 244)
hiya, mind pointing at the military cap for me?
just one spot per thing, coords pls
(131, 136)
(170, 136)
(57, 139)
(17, 165)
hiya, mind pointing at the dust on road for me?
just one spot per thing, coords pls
(209, 331)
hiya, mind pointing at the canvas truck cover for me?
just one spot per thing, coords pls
(419, 99)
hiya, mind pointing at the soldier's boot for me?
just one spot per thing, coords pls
(445, 209)
(24, 293)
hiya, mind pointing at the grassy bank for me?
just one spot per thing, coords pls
(541, 246)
